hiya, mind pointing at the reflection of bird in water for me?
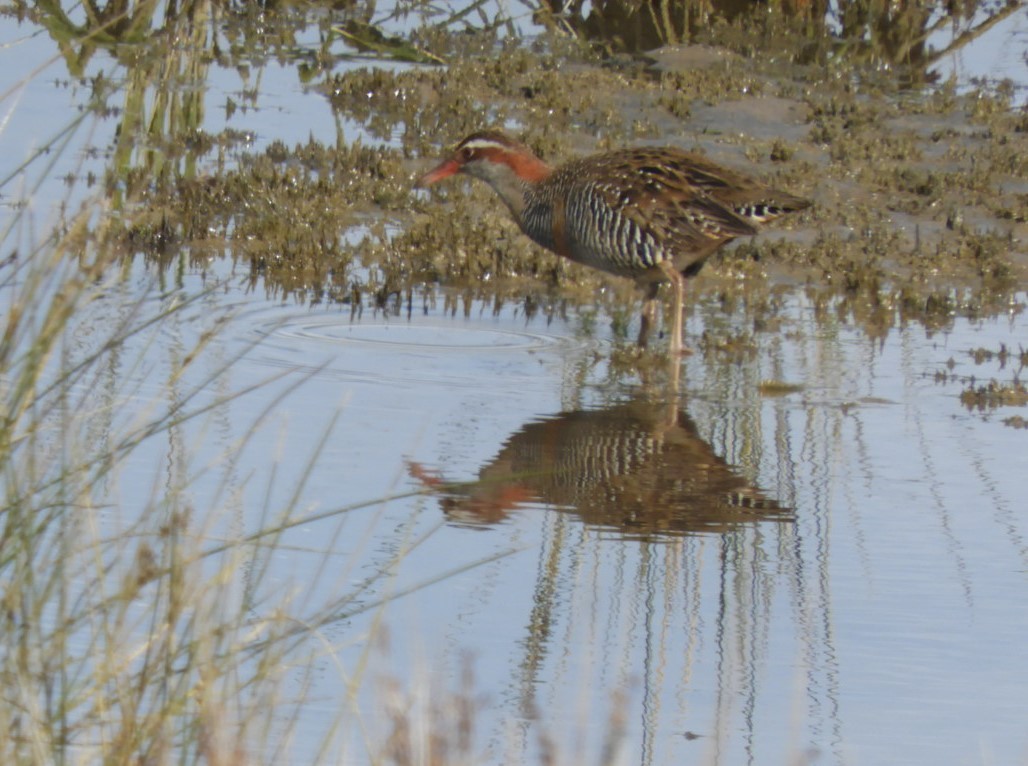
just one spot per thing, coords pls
(651, 214)
(638, 468)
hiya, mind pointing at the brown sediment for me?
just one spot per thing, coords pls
(921, 197)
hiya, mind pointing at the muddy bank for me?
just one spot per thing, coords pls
(921, 196)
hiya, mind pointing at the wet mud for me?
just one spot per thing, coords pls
(921, 197)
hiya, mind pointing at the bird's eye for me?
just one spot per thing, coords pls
(466, 154)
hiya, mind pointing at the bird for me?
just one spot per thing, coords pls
(651, 214)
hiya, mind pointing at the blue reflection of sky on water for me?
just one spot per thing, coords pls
(1000, 53)
(885, 624)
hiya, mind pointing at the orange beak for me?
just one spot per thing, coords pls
(444, 169)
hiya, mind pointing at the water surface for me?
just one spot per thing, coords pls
(840, 568)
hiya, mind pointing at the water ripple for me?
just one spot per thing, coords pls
(426, 350)
(449, 336)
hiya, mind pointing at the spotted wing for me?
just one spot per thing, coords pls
(653, 210)
(749, 199)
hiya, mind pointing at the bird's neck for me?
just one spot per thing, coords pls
(516, 180)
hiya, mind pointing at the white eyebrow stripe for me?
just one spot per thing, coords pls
(482, 143)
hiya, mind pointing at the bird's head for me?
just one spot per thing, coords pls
(492, 156)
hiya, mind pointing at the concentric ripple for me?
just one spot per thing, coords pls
(428, 350)
(455, 335)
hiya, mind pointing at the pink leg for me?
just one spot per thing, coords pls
(678, 292)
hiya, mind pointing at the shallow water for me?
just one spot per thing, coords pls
(840, 568)
(884, 623)
(837, 570)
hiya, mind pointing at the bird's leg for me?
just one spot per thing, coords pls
(649, 313)
(678, 290)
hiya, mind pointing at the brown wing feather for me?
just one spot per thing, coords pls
(668, 196)
(677, 169)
